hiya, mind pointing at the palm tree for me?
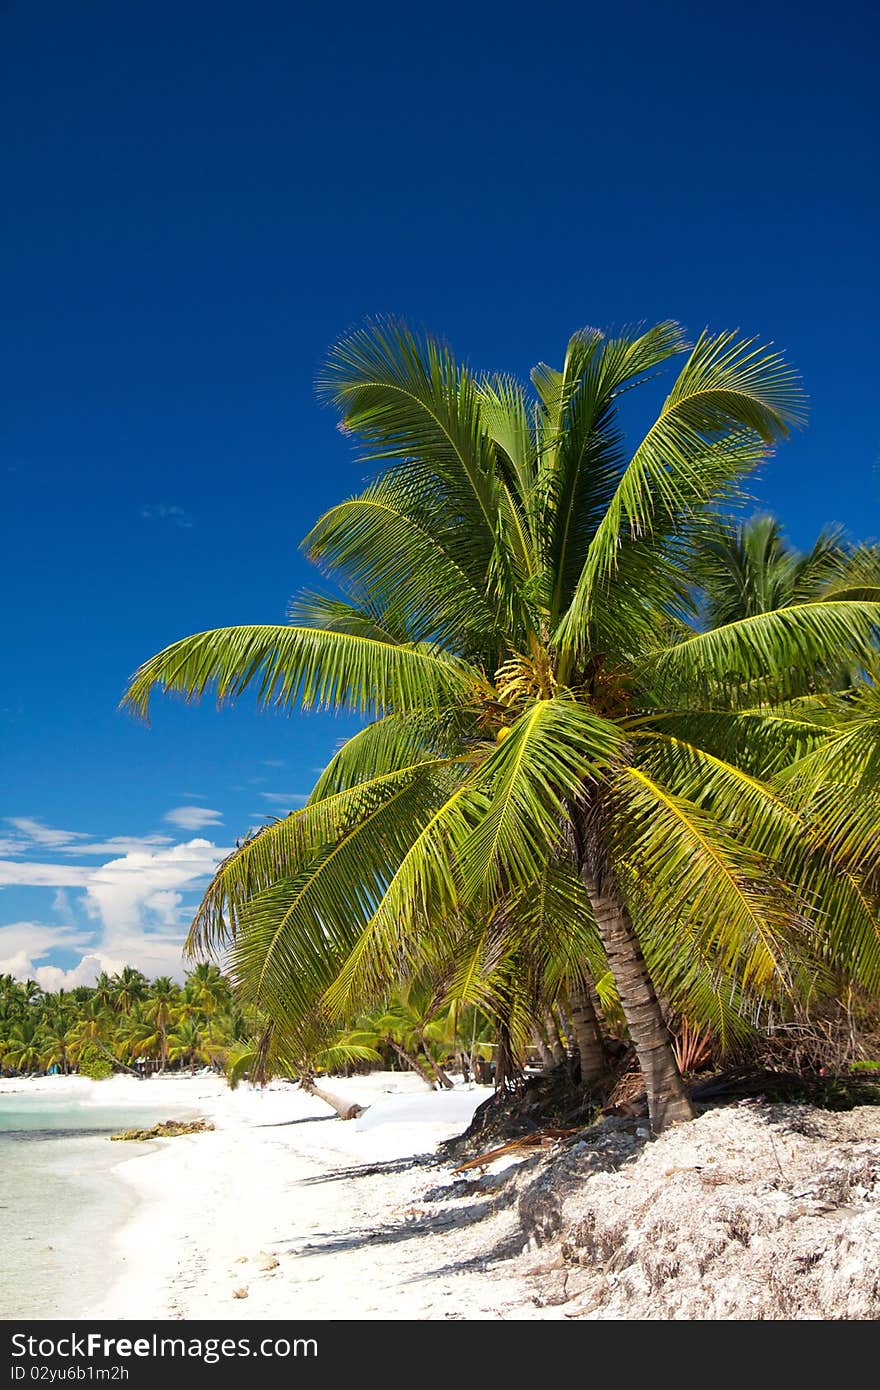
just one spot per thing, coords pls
(749, 567)
(104, 993)
(185, 1044)
(25, 1052)
(95, 1024)
(160, 1009)
(517, 622)
(129, 988)
(57, 1042)
(206, 990)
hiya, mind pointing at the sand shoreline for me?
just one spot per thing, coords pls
(304, 1215)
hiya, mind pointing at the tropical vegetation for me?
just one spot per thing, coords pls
(608, 729)
(124, 1022)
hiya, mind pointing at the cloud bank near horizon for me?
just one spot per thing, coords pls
(126, 911)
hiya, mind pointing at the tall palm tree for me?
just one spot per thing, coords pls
(130, 989)
(185, 1043)
(104, 993)
(516, 621)
(160, 1009)
(207, 991)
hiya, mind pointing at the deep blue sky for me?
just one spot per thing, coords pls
(199, 197)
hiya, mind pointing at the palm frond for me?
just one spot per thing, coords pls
(770, 652)
(548, 756)
(281, 850)
(726, 893)
(731, 401)
(301, 668)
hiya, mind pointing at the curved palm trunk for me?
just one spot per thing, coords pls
(443, 1081)
(587, 1034)
(346, 1110)
(413, 1063)
(668, 1100)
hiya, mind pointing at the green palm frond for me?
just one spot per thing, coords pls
(731, 402)
(376, 544)
(281, 849)
(507, 420)
(581, 460)
(407, 399)
(294, 936)
(301, 668)
(759, 741)
(772, 651)
(423, 890)
(723, 892)
(378, 622)
(549, 754)
(384, 745)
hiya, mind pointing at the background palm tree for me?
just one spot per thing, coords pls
(748, 568)
(24, 1050)
(517, 619)
(160, 1009)
(129, 989)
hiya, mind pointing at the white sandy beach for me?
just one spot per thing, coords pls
(305, 1215)
(285, 1212)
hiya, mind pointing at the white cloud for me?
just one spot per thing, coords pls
(39, 834)
(35, 834)
(134, 889)
(23, 944)
(134, 901)
(61, 904)
(193, 817)
(121, 844)
(286, 798)
(86, 972)
(33, 875)
(162, 511)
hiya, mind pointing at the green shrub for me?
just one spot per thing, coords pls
(95, 1064)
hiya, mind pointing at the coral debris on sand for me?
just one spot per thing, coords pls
(166, 1129)
(752, 1211)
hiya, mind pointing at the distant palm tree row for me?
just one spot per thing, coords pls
(125, 1019)
(621, 755)
(128, 1020)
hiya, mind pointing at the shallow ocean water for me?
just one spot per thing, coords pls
(60, 1202)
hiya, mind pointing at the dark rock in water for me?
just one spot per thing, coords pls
(166, 1129)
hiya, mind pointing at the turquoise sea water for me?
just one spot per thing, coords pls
(60, 1202)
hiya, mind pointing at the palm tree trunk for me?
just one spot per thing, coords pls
(111, 1057)
(413, 1063)
(556, 1047)
(543, 1049)
(668, 1100)
(587, 1034)
(444, 1082)
(508, 1071)
(346, 1110)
